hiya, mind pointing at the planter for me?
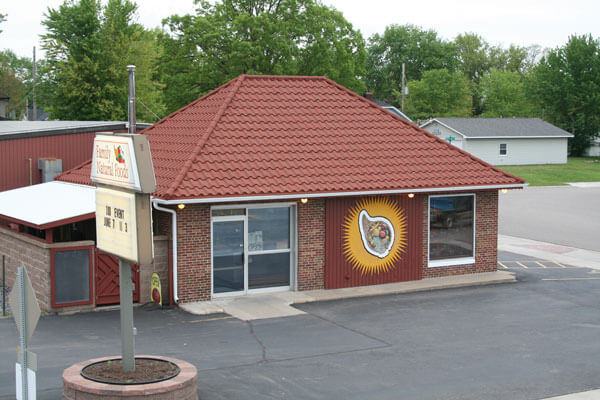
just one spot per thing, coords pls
(181, 386)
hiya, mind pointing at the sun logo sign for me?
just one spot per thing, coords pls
(374, 235)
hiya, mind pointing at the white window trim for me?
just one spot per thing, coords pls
(293, 249)
(500, 150)
(451, 261)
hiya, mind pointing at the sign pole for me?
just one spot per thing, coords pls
(126, 292)
(23, 337)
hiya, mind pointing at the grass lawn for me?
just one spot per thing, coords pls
(577, 169)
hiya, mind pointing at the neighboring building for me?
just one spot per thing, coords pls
(504, 141)
(3, 104)
(29, 147)
(391, 108)
(594, 149)
(274, 183)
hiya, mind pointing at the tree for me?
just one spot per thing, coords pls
(440, 93)
(421, 50)
(232, 37)
(88, 47)
(566, 87)
(2, 19)
(504, 95)
(15, 81)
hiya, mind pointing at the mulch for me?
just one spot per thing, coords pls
(147, 370)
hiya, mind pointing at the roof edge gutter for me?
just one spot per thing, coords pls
(174, 241)
(334, 194)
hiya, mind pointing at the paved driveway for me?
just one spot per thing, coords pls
(564, 215)
(527, 340)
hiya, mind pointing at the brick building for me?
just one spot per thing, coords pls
(296, 183)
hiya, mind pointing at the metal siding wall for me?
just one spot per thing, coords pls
(340, 273)
(72, 149)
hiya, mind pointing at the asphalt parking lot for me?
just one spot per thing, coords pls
(527, 340)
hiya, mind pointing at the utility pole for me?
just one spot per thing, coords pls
(403, 85)
(34, 118)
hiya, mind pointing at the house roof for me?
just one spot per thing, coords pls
(29, 129)
(48, 204)
(490, 128)
(391, 108)
(260, 137)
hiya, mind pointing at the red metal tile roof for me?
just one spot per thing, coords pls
(288, 135)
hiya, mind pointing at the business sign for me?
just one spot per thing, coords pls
(123, 225)
(124, 161)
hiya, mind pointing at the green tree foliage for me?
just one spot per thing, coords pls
(231, 37)
(504, 95)
(566, 86)
(88, 47)
(421, 50)
(15, 81)
(2, 19)
(440, 93)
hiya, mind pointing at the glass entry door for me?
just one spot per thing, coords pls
(228, 256)
(252, 249)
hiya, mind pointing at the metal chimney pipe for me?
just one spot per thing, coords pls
(131, 108)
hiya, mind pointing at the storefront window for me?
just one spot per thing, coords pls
(451, 230)
(268, 229)
(71, 277)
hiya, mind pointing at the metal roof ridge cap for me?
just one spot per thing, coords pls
(168, 117)
(369, 102)
(173, 201)
(205, 136)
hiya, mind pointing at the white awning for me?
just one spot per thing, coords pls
(48, 204)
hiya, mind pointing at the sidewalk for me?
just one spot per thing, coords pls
(278, 304)
(549, 251)
(591, 395)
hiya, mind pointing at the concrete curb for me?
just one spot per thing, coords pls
(275, 305)
(589, 395)
(549, 251)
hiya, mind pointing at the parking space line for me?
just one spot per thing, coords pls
(559, 264)
(522, 265)
(540, 264)
(503, 266)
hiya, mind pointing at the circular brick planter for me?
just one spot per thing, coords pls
(181, 387)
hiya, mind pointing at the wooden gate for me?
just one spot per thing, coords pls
(107, 279)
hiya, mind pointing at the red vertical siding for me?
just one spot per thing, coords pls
(340, 273)
(72, 149)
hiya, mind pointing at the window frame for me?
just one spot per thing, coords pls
(448, 262)
(505, 149)
(53, 276)
(292, 250)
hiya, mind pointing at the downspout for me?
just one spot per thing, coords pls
(174, 241)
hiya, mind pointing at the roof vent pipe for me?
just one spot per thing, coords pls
(131, 108)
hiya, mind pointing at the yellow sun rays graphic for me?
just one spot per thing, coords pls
(354, 246)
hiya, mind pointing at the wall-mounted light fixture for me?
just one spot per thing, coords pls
(304, 200)
(181, 206)
(504, 191)
(411, 195)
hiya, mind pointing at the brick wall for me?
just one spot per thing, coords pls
(311, 245)
(193, 237)
(486, 238)
(160, 266)
(193, 253)
(35, 256)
